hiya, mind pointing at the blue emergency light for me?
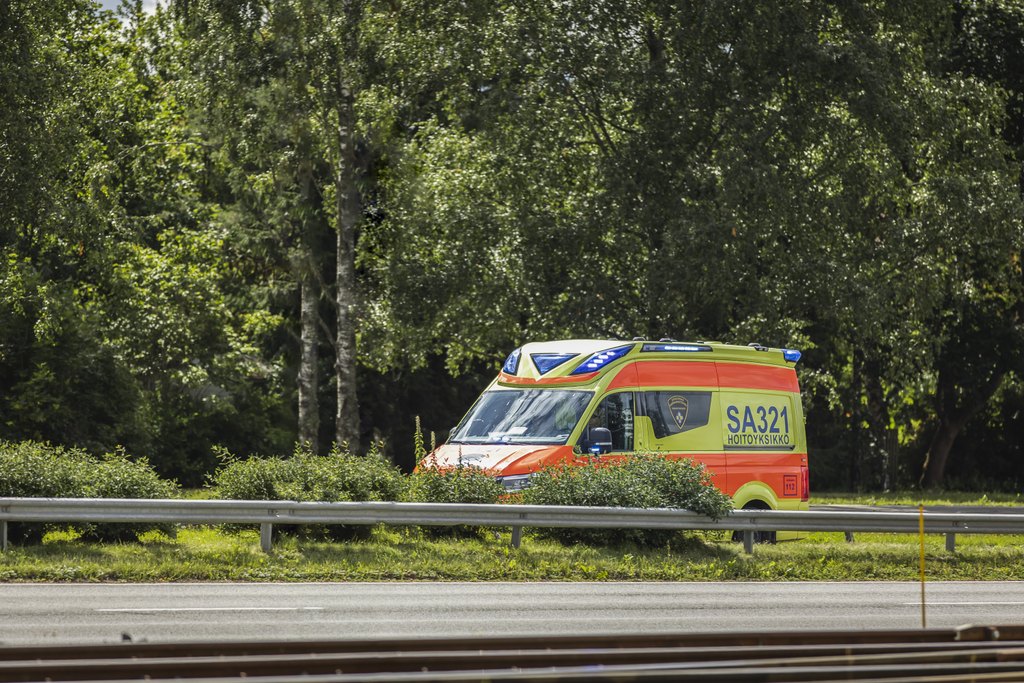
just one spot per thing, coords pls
(791, 355)
(546, 362)
(601, 359)
(511, 365)
(676, 348)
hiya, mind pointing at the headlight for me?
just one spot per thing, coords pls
(514, 483)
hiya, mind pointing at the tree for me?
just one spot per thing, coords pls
(205, 210)
(119, 329)
(283, 107)
(753, 172)
(61, 124)
(981, 328)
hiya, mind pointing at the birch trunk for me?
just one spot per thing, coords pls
(308, 381)
(347, 215)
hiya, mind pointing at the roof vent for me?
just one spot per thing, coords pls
(639, 338)
(757, 347)
(666, 339)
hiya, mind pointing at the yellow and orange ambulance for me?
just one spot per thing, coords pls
(736, 409)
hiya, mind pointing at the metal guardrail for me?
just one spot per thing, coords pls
(269, 513)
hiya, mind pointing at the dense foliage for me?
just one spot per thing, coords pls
(38, 470)
(248, 225)
(456, 485)
(463, 484)
(644, 481)
(307, 477)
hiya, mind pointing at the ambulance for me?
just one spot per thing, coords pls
(736, 409)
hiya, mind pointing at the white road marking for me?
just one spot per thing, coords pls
(207, 609)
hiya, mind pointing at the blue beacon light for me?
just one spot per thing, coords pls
(546, 362)
(601, 359)
(511, 365)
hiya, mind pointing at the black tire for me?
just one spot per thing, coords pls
(759, 536)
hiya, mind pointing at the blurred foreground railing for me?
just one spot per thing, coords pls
(267, 513)
(962, 655)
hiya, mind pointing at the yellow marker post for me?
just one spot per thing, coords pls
(924, 623)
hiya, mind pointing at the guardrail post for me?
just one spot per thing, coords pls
(517, 536)
(849, 536)
(3, 536)
(951, 542)
(266, 534)
(748, 541)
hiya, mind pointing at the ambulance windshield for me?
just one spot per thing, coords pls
(529, 416)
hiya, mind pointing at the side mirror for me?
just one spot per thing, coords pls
(599, 440)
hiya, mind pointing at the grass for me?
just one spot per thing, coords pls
(207, 554)
(211, 554)
(917, 497)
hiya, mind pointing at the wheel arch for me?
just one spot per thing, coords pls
(754, 494)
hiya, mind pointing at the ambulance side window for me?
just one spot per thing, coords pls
(675, 412)
(615, 413)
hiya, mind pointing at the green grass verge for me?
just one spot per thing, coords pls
(917, 497)
(209, 554)
(205, 554)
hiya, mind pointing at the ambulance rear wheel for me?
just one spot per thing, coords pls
(759, 536)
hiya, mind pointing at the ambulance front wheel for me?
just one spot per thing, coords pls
(759, 536)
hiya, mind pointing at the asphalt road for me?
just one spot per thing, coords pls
(74, 613)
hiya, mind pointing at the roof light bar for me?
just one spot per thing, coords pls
(601, 359)
(680, 348)
(546, 362)
(791, 355)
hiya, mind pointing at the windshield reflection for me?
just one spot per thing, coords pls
(526, 416)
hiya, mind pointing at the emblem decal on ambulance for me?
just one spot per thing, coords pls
(679, 407)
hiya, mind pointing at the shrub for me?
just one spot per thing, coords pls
(305, 476)
(641, 481)
(463, 484)
(39, 470)
(117, 476)
(250, 479)
(343, 476)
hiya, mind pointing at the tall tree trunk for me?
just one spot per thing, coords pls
(876, 413)
(938, 452)
(347, 197)
(952, 418)
(309, 385)
(870, 419)
(860, 441)
(307, 267)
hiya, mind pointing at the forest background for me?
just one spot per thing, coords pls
(241, 224)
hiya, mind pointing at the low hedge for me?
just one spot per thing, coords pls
(463, 484)
(118, 476)
(305, 476)
(641, 481)
(30, 469)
